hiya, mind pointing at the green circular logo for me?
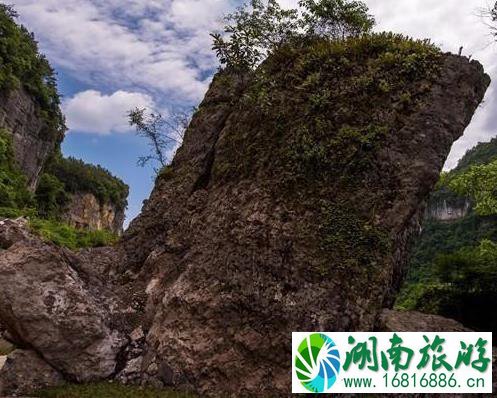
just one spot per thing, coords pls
(317, 362)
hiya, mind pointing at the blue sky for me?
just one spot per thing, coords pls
(114, 55)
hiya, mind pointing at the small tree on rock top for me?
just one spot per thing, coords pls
(259, 28)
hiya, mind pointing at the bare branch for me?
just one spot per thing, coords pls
(161, 133)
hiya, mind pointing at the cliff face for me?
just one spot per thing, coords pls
(447, 210)
(85, 211)
(33, 140)
(289, 207)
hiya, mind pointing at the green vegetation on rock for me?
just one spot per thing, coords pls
(13, 189)
(350, 241)
(107, 390)
(389, 70)
(73, 238)
(21, 65)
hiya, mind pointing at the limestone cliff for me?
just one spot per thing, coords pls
(34, 140)
(85, 211)
(289, 207)
(447, 209)
(32, 127)
(36, 150)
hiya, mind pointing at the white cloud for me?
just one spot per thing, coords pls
(159, 46)
(162, 47)
(93, 112)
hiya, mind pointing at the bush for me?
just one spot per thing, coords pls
(461, 285)
(479, 183)
(258, 29)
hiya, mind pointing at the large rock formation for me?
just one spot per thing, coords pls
(33, 138)
(53, 302)
(289, 218)
(85, 211)
(289, 207)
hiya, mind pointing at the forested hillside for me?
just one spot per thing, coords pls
(36, 181)
(454, 263)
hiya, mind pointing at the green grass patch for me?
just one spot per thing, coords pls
(5, 347)
(107, 390)
(60, 233)
(66, 236)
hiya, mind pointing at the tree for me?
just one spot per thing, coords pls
(336, 19)
(252, 31)
(51, 196)
(257, 29)
(479, 183)
(162, 133)
(9, 10)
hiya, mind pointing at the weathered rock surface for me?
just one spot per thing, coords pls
(33, 139)
(85, 211)
(24, 372)
(49, 303)
(412, 321)
(289, 207)
(239, 249)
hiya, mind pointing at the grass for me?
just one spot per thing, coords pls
(66, 236)
(60, 233)
(107, 390)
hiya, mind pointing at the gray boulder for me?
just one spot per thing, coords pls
(47, 305)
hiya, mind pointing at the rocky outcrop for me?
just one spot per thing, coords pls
(24, 372)
(33, 138)
(52, 302)
(289, 207)
(85, 211)
(412, 321)
(240, 249)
